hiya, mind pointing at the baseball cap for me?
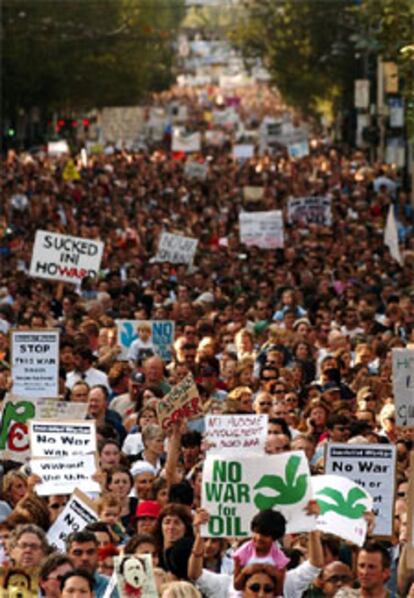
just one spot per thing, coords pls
(148, 508)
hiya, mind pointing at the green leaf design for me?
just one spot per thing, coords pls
(289, 490)
(345, 507)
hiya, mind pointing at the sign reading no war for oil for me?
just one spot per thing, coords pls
(235, 489)
(403, 386)
(65, 258)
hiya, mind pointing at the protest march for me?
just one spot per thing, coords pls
(206, 360)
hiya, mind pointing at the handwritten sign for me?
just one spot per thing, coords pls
(63, 474)
(242, 433)
(65, 258)
(78, 512)
(403, 386)
(235, 488)
(262, 229)
(17, 411)
(307, 210)
(35, 363)
(176, 249)
(139, 339)
(183, 401)
(371, 466)
(53, 439)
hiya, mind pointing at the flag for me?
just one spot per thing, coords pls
(391, 236)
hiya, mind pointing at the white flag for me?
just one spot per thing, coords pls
(391, 236)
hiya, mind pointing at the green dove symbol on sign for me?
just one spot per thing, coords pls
(290, 490)
(341, 505)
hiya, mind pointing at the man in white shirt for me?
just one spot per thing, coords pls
(83, 359)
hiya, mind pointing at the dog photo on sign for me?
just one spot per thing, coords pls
(135, 576)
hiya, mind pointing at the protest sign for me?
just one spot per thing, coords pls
(243, 151)
(135, 576)
(185, 142)
(403, 386)
(182, 402)
(78, 512)
(262, 229)
(214, 137)
(196, 170)
(176, 249)
(124, 123)
(14, 431)
(65, 258)
(16, 582)
(371, 466)
(69, 172)
(139, 339)
(410, 515)
(343, 505)
(298, 149)
(35, 363)
(242, 433)
(234, 489)
(252, 194)
(57, 148)
(307, 210)
(62, 475)
(50, 438)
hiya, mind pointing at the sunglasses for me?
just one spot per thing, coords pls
(339, 579)
(401, 494)
(256, 587)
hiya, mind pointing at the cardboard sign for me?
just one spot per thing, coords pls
(307, 210)
(16, 582)
(235, 488)
(196, 170)
(176, 249)
(155, 338)
(78, 512)
(252, 194)
(262, 229)
(135, 576)
(67, 439)
(62, 475)
(371, 466)
(226, 434)
(65, 258)
(343, 505)
(35, 362)
(182, 402)
(185, 142)
(14, 431)
(403, 386)
(243, 151)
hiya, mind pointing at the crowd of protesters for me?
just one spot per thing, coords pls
(303, 334)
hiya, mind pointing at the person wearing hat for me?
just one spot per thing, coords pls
(83, 359)
(146, 516)
(144, 474)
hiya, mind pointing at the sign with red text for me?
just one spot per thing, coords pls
(230, 433)
(35, 363)
(182, 402)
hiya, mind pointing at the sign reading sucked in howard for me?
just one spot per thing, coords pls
(65, 258)
(403, 386)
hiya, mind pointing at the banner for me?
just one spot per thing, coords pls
(140, 339)
(176, 249)
(252, 194)
(307, 210)
(78, 512)
(234, 489)
(182, 402)
(225, 434)
(65, 258)
(371, 466)
(343, 505)
(135, 576)
(196, 170)
(185, 142)
(14, 431)
(403, 386)
(35, 363)
(243, 151)
(62, 475)
(262, 229)
(52, 439)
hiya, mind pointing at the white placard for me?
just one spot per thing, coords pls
(135, 576)
(176, 249)
(57, 148)
(235, 488)
(35, 363)
(371, 466)
(196, 170)
(230, 434)
(307, 210)
(50, 438)
(65, 258)
(185, 142)
(262, 229)
(79, 511)
(403, 386)
(243, 151)
(62, 475)
(361, 93)
(343, 505)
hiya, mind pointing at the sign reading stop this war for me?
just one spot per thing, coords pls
(65, 258)
(35, 363)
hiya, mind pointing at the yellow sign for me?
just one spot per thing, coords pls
(70, 173)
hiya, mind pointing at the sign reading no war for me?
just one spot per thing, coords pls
(65, 258)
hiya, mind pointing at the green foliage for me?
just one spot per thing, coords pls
(78, 54)
(290, 490)
(346, 507)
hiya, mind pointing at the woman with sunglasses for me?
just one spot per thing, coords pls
(260, 581)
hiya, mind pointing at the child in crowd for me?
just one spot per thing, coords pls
(109, 510)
